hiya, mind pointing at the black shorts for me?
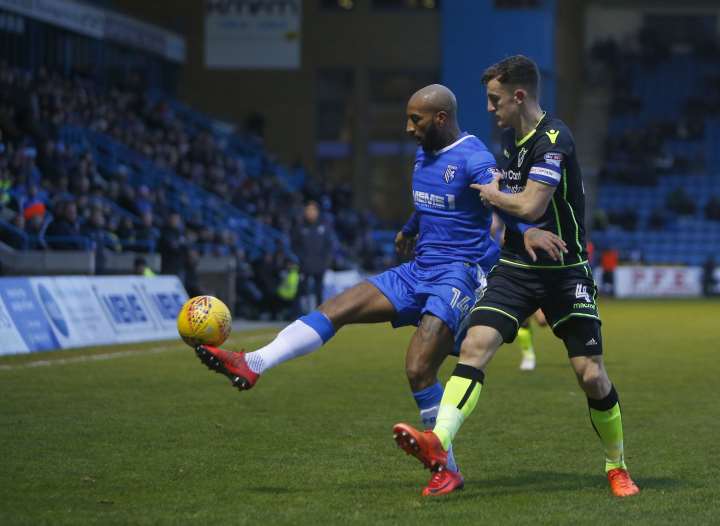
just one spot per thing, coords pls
(514, 293)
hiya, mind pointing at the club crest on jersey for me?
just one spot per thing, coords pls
(552, 135)
(450, 173)
(521, 156)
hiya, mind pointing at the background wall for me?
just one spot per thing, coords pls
(360, 45)
(478, 34)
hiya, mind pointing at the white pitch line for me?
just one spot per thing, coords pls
(112, 355)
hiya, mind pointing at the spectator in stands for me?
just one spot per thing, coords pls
(657, 219)
(249, 295)
(141, 268)
(313, 244)
(125, 231)
(100, 238)
(191, 278)
(287, 290)
(205, 241)
(13, 234)
(35, 106)
(28, 169)
(709, 283)
(680, 202)
(600, 220)
(35, 226)
(609, 261)
(143, 200)
(626, 219)
(63, 233)
(32, 200)
(146, 235)
(267, 279)
(173, 246)
(712, 208)
(51, 162)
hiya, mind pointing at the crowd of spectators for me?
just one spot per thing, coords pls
(639, 154)
(54, 197)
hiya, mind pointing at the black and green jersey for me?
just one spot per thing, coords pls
(547, 155)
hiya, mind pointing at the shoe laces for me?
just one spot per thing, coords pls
(437, 478)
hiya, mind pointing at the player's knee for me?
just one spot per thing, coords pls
(592, 377)
(479, 346)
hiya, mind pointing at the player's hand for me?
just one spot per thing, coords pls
(487, 191)
(405, 245)
(535, 239)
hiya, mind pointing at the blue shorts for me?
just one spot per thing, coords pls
(445, 291)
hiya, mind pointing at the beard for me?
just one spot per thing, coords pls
(433, 140)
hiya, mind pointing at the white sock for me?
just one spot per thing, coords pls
(295, 340)
(429, 417)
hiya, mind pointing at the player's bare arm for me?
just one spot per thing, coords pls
(529, 205)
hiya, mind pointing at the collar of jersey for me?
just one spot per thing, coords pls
(453, 145)
(532, 132)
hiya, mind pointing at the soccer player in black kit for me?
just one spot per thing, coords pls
(540, 183)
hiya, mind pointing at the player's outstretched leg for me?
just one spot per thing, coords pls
(363, 303)
(301, 337)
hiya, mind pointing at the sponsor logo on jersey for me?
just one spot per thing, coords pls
(449, 174)
(513, 181)
(521, 156)
(552, 135)
(545, 172)
(442, 202)
(553, 158)
(584, 306)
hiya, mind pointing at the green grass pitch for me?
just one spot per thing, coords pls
(152, 437)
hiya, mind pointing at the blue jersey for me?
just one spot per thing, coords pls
(451, 222)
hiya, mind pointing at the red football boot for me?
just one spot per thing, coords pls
(443, 482)
(423, 445)
(621, 484)
(231, 364)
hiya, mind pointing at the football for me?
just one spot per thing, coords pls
(204, 320)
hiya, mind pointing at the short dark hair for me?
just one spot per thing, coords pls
(517, 70)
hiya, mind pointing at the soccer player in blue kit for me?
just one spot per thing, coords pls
(450, 230)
